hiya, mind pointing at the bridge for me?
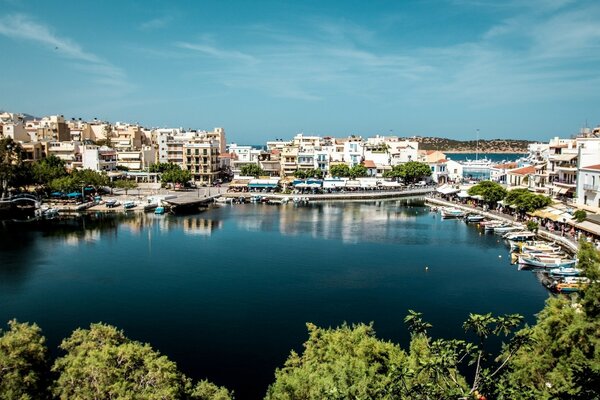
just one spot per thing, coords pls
(22, 198)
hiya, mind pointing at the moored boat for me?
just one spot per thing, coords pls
(128, 205)
(474, 218)
(159, 210)
(546, 262)
(568, 271)
(450, 212)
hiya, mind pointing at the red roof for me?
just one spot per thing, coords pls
(523, 171)
(596, 167)
(369, 164)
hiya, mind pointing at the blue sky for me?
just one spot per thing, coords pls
(270, 69)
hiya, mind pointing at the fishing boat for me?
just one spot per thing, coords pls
(546, 262)
(521, 236)
(564, 271)
(159, 210)
(491, 227)
(450, 212)
(505, 228)
(474, 218)
(540, 248)
(222, 199)
(128, 205)
(570, 284)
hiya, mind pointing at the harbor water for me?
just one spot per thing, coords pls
(227, 293)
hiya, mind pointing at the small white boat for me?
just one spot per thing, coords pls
(505, 228)
(128, 205)
(474, 218)
(450, 212)
(224, 200)
(519, 236)
(565, 271)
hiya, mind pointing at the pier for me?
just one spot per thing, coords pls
(359, 195)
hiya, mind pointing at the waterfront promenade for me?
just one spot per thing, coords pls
(564, 241)
(339, 196)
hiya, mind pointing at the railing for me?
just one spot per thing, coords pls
(587, 186)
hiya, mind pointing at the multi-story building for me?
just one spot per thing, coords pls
(201, 158)
(289, 160)
(588, 186)
(98, 158)
(53, 128)
(69, 152)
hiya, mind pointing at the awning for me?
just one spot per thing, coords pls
(462, 194)
(368, 183)
(447, 190)
(262, 185)
(589, 227)
(333, 183)
(301, 185)
(390, 184)
(561, 191)
(477, 197)
(239, 183)
(563, 157)
(353, 184)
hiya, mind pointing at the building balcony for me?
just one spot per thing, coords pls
(587, 186)
(567, 167)
(564, 183)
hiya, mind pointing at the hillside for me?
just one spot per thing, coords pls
(470, 146)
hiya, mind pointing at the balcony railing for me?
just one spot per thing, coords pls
(562, 182)
(587, 186)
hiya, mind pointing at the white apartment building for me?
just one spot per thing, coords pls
(69, 152)
(98, 158)
(588, 186)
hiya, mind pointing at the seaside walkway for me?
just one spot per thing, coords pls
(359, 195)
(567, 243)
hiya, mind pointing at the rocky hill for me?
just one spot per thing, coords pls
(470, 146)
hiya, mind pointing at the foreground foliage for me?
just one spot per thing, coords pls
(99, 363)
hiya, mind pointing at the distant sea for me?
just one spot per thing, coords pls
(495, 157)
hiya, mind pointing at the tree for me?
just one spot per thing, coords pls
(102, 363)
(491, 192)
(10, 159)
(525, 201)
(162, 167)
(413, 171)
(179, 176)
(48, 169)
(339, 171)
(580, 215)
(23, 362)
(125, 184)
(251, 170)
(300, 174)
(358, 171)
(409, 172)
(562, 358)
(342, 363)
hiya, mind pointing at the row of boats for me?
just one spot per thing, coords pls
(558, 270)
(262, 199)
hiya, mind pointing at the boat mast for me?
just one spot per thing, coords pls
(477, 147)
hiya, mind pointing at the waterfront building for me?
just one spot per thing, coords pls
(289, 160)
(455, 170)
(588, 186)
(201, 159)
(16, 131)
(69, 152)
(498, 172)
(519, 177)
(98, 158)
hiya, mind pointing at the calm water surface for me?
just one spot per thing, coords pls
(226, 293)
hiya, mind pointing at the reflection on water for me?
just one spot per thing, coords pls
(226, 293)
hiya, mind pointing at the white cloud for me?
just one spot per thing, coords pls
(155, 23)
(23, 27)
